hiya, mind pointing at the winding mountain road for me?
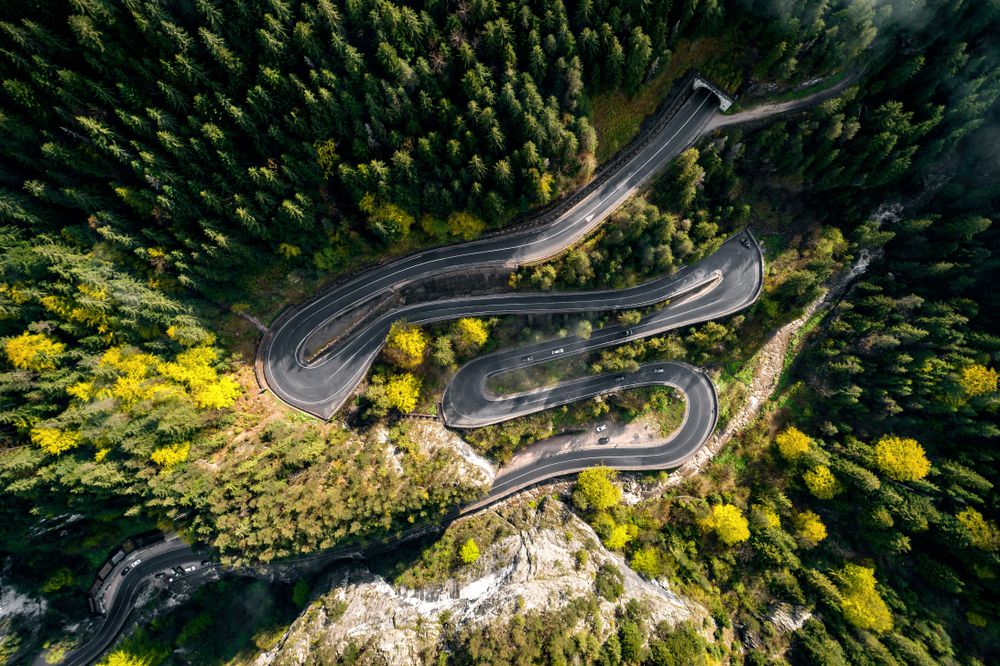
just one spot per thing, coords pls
(298, 368)
(301, 366)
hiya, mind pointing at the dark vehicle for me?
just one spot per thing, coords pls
(628, 332)
(620, 378)
(604, 440)
(126, 570)
(528, 358)
(745, 242)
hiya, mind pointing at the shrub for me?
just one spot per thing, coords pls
(609, 582)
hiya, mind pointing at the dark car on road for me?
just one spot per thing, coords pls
(620, 378)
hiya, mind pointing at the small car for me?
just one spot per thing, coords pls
(602, 427)
(745, 242)
(627, 332)
(136, 563)
(620, 378)
(188, 568)
(657, 371)
(604, 440)
(528, 358)
(126, 570)
(557, 351)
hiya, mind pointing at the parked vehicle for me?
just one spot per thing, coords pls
(602, 427)
(604, 440)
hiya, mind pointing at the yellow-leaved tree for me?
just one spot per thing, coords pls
(465, 225)
(792, 443)
(982, 533)
(728, 523)
(861, 603)
(469, 552)
(168, 456)
(596, 489)
(33, 351)
(809, 528)
(406, 344)
(470, 334)
(901, 459)
(55, 440)
(821, 482)
(402, 392)
(977, 379)
(619, 537)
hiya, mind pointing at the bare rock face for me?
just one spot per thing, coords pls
(533, 565)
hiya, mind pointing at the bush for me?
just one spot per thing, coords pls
(609, 582)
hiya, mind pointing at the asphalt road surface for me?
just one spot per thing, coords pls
(320, 386)
(725, 282)
(121, 600)
(699, 421)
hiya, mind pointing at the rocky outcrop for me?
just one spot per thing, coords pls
(533, 565)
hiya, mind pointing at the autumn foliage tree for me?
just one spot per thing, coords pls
(728, 523)
(406, 344)
(901, 459)
(861, 603)
(821, 482)
(792, 443)
(596, 489)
